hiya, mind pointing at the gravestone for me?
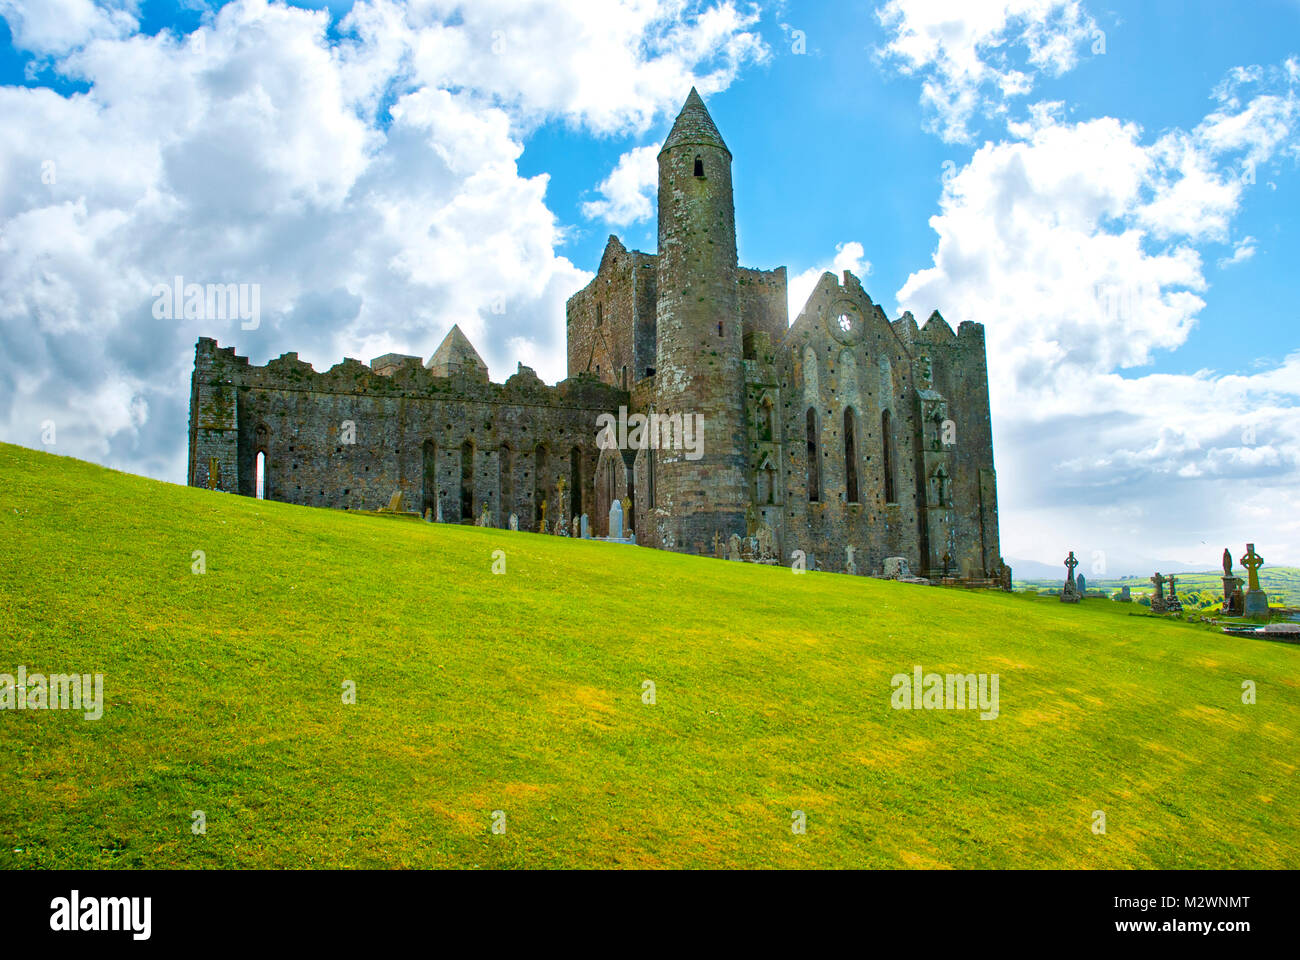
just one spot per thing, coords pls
(616, 521)
(1070, 590)
(1256, 600)
(1125, 595)
(584, 527)
(483, 520)
(1172, 603)
(1083, 585)
(574, 528)
(1158, 598)
(896, 568)
(541, 525)
(850, 566)
(514, 521)
(395, 502)
(428, 515)
(733, 547)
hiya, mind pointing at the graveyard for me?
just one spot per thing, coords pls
(602, 703)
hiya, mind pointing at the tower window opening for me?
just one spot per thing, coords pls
(600, 314)
(719, 328)
(699, 167)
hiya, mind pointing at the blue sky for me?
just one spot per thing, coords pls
(1111, 189)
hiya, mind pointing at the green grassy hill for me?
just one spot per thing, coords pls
(522, 693)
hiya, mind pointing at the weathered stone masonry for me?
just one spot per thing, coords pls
(841, 430)
(350, 437)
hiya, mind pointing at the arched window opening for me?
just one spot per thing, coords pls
(699, 166)
(887, 449)
(623, 376)
(650, 476)
(506, 482)
(766, 485)
(429, 497)
(850, 458)
(540, 468)
(467, 481)
(260, 475)
(575, 482)
(814, 459)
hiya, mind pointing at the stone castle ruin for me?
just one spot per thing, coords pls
(843, 436)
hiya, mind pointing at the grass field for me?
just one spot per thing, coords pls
(523, 693)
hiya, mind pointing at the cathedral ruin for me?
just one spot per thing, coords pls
(842, 435)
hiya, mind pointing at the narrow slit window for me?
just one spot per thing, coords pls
(814, 464)
(699, 167)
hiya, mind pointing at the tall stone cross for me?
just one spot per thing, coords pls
(1070, 564)
(1159, 581)
(1252, 561)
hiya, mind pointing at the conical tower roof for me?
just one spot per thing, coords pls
(455, 354)
(694, 126)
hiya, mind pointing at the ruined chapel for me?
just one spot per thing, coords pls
(842, 435)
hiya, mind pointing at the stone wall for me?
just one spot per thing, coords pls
(611, 321)
(865, 370)
(349, 438)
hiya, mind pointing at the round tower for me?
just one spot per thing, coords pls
(699, 370)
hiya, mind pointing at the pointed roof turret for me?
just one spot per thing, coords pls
(694, 126)
(456, 355)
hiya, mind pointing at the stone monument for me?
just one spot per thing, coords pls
(1158, 598)
(1231, 586)
(1070, 590)
(1255, 604)
(514, 521)
(849, 565)
(1172, 603)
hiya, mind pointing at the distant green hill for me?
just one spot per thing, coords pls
(523, 693)
(1282, 584)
